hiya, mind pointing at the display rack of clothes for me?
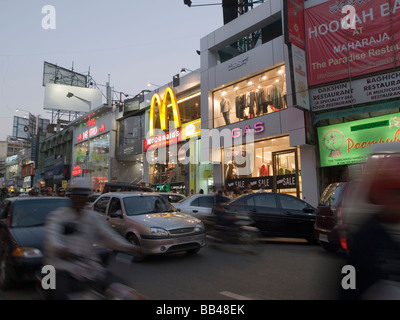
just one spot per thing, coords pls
(256, 102)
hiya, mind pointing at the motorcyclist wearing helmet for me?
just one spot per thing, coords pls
(49, 192)
(70, 233)
(61, 192)
(375, 244)
(4, 194)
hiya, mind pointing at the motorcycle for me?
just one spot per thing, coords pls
(234, 230)
(98, 290)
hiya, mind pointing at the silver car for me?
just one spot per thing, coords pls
(149, 221)
(198, 205)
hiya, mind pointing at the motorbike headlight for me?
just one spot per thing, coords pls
(27, 252)
(159, 232)
(199, 227)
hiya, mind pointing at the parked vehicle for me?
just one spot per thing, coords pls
(198, 205)
(172, 197)
(124, 186)
(329, 227)
(93, 196)
(21, 234)
(276, 214)
(149, 221)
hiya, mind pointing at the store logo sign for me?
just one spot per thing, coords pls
(163, 110)
(91, 132)
(239, 132)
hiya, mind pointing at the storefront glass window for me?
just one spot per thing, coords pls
(94, 163)
(271, 162)
(131, 132)
(189, 108)
(167, 169)
(256, 96)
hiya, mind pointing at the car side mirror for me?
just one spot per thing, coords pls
(116, 214)
(308, 210)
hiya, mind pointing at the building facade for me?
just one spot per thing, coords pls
(354, 78)
(256, 134)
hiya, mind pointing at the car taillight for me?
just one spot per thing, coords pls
(343, 243)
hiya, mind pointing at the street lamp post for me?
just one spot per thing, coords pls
(89, 103)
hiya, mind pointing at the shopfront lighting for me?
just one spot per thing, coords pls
(89, 103)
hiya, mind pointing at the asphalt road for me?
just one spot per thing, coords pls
(283, 269)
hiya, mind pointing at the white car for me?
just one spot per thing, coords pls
(198, 205)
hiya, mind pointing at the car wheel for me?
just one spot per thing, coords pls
(5, 277)
(133, 240)
(330, 247)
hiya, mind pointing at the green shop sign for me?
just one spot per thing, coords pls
(350, 142)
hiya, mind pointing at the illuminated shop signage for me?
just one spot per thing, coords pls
(241, 132)
(77, 171)
(163, 110)
(351, 142)
(182, 131)
(92, 131)
(163, 139)
(191, 129)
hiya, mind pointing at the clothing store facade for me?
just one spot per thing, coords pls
(256, 135)
(172, 143)
(355, 104)
(93, 146)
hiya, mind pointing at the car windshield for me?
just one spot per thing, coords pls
(32, 213)
(137, 205)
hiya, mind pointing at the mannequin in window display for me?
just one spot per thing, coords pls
(284, 102)
(250, 104)
(239, 105)
(230, 172)
(225, 105)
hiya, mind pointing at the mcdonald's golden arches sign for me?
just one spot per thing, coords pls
(175, 136)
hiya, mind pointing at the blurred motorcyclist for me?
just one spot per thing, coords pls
(375, 241)
(222, 216)
(49, 192)
(4, 194)
(61, 192)
(70, 235)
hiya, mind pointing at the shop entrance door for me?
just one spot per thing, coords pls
(286, 173)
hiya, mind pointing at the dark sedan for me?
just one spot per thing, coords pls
(276, 214)
(21, 234)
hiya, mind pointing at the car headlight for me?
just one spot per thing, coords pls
(199, 227)
(27, 252)
(159, 232)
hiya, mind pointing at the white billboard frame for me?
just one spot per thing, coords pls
(55, 98)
